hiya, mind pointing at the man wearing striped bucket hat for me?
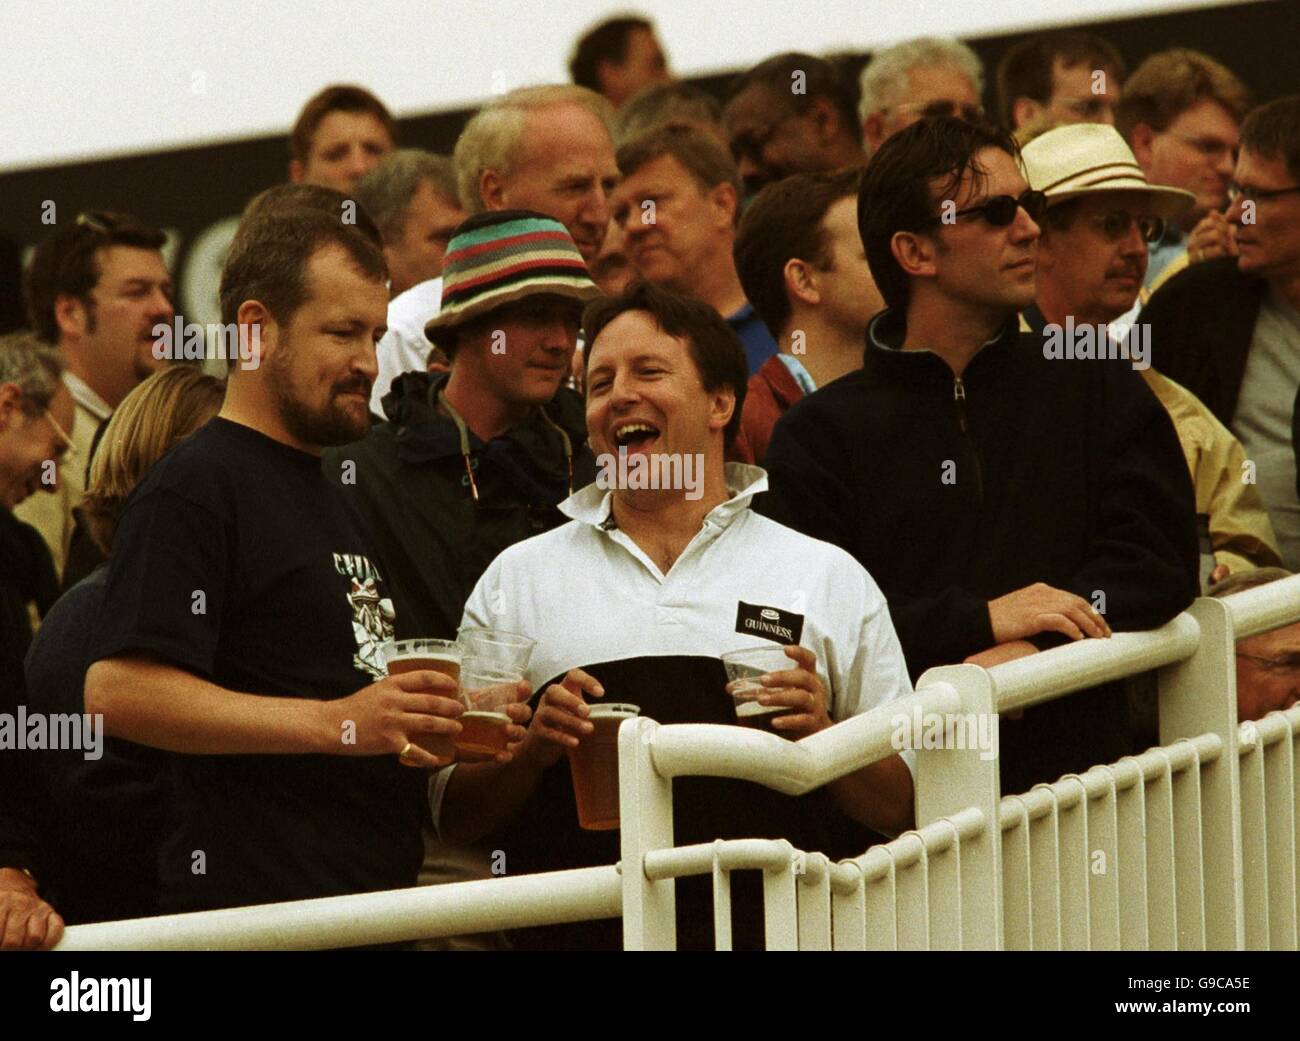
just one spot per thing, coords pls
(473, 460)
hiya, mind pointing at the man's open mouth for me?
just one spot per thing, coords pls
(636, 437)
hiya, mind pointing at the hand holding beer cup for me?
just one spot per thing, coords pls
(788, 701)
(560, 721)
(418, 708)
(493, 695)
(428, 743)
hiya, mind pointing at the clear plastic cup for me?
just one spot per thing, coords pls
(486, 688)
(503, 649)
(594, 766)
(744, 668)
(437, 655)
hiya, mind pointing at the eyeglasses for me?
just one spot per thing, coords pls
(69, 450)
(1089, 109)
(1252, 194)
(1001, 210)
(935, 109)
(1281, 666)
(1116, 225)
(1210, 147)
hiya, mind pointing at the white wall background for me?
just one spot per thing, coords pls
(84, 79)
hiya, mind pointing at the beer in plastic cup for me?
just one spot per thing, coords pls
(594, 766)
(743, 671)
(498, 647)
(486, 688)
(438, 656)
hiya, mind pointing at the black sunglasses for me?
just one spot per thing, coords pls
(1000, 210)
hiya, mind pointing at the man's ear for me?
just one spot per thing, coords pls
(70, 315)
(721, 408)
(263, 332)
(915, 252)
(873, 130)
(800, 281)
(825, 120)
(1023, 110)
(726, 203)
(1141, 139)
(492, 189)
(296, 171)
(11, 405)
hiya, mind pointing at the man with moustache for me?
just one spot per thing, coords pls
(95, 288)
(246, 609)
(1101, 215)
(1006, 502)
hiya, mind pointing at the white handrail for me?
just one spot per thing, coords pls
(1089, 663)
(790, 767)
(1265, 607)
(394, 916)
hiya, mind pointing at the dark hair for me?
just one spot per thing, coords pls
(897, 194)
(784, 222)
(66, 263)
(605, 42)
(821, 79)
(272, 247)
(704, 157)
(710, 341)
(1273, 130)
(1025, 71)
(291, 197)
(337, 98)
(1167, 84)
(666, 104)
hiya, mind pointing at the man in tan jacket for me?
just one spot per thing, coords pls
(1102, 215)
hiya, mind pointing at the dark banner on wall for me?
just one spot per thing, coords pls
(197, 193)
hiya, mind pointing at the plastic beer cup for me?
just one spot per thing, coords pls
(594, 766)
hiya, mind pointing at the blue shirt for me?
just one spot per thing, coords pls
(754, 336)
(1172, 244)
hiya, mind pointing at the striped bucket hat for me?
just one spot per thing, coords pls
(504, 256)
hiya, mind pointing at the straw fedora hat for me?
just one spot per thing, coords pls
(1083, 158)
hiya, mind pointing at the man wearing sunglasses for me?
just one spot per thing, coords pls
(1005, 502)
(1101, 217)
(1229, 329)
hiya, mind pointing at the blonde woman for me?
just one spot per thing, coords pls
(82, 833)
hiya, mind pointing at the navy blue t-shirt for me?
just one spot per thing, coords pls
(236, 560)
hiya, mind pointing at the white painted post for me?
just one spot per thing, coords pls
(1199, 696)
(646, 823)
(949, 780)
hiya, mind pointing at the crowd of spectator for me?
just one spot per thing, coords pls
(954, 385)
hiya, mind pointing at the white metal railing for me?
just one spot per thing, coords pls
(1192, 844)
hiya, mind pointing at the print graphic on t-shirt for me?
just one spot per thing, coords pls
(771, 623)
(372, 616)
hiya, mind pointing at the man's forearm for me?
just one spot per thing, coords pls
(481, 797)
(879, 795)
(166, 707)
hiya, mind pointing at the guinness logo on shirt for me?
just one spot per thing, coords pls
(768, 622)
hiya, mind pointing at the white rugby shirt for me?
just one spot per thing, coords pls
(588, 595)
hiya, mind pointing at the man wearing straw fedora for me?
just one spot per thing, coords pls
(1101, 216)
